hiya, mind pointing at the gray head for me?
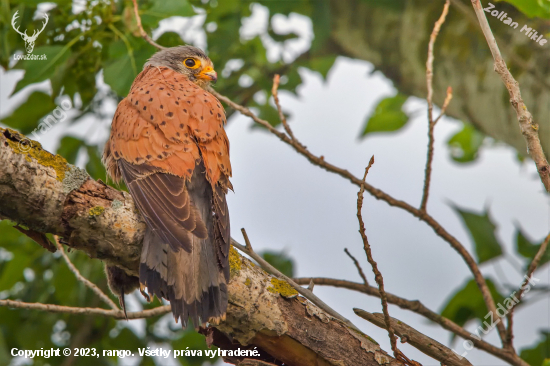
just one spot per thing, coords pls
(187, 60)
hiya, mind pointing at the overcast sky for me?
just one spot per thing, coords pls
(285, 203)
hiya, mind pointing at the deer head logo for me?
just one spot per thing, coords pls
(29, 40)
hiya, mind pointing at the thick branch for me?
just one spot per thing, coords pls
(418, 340)
(44, 193)
(418, 308)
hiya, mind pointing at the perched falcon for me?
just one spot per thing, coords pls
(169, 145)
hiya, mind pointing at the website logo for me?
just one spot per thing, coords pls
(29, 40)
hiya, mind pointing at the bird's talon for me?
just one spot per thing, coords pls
(144, 293)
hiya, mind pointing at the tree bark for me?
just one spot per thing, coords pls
(47, 195)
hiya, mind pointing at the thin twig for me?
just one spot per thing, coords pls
(142, 31)
(528, 127)
(530, 270)
(420, 341)
(358, 266)
(83, 279)
(378, 276)
(448, 98)
(282, 117)
(378, 194)
(420, 309)
(431, 122)
(274, 271)
(117, 314)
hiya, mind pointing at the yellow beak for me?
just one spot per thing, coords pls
(208, 74)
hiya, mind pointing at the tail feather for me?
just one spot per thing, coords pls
(193, 276)
(192, 282)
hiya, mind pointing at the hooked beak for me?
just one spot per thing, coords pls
(208, 74)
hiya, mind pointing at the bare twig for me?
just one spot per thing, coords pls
(142, 31)
(445, 104)
(431, 122)
(274, 271)
(377, 275)
(358, 266)
(418, 308)
(530, 270)
(416, 339)
(282, 117)
(528, 127)
(378, 194)
(83, 279)
(117, 314)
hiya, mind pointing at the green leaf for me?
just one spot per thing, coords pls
(69, 148)
(194, 341)
(322, 14)
(163, 9)
(321, 64)
(25, 118)
(281, 37)
(120, 73)
(40, 70)
(465, 144)
(281, 261)
(388, 116)
(528, 249)
(126, 339)
(13, 270)
(538, 355)
(170, 39)
(467, 303)
(482, 232)
(532, 8)
(4, 353)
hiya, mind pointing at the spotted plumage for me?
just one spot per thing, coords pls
(169, 146)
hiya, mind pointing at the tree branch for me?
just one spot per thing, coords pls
(116, 314)
(83, 279)
(418, 308)
(142, 31)
(530, 270)
(308, 294)
(282, 117)
(416, 339)
(44, 193)
(377, 275)
(528, 127)
(359, 269)
(378, 194)
(431, 121)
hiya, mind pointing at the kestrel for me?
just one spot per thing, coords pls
(169, 145)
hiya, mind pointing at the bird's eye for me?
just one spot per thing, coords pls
(191, 63)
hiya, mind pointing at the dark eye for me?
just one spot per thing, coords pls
(189, 62)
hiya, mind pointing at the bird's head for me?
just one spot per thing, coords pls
(187, 60)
